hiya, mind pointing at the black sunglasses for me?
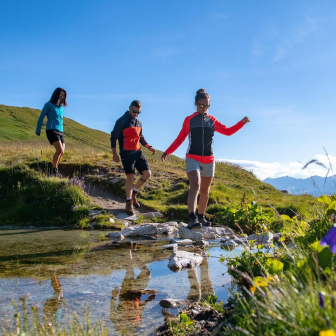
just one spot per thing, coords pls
(136, 112)
(203, 105)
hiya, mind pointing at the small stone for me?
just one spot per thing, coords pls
(173, 247)
(111, 220)
(147, 237)
(202, 243)
(114, 180)
(95, 171)
(115, 235)
(229, 245)
(94, 213)
(170, 303)
(154, 214)
(261, 238)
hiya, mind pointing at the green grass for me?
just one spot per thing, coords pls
(27, 197)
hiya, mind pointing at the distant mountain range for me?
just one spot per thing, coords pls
(315, 185)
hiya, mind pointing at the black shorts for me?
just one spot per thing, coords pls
(54, 135)
(134, 160)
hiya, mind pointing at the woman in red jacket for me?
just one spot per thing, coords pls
(200, 161)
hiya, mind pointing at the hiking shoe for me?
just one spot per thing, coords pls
(135, 202)
(56, 173)
(203, 220)
(129, 208)
(193, 222)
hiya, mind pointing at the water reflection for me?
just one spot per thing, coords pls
(126, 307)
(52, 310)
(87, 273)
(200, 289)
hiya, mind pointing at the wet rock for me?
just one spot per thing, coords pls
(261, 238)
(202, 243)
(225, 238)
(165, 228)
(206, 231)
(182, 259)
(146, 237)
(92, 225)
(185, 233)
(154, 214)
(115, 235)
(229, 245)
(181, 242)
(173, 247)
(137, 231)
(213, 232)
(240, 241)
(290, 245)
(171, 303)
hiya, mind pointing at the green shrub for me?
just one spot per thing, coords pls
(27, 196)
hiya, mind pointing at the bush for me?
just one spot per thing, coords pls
(27, 196)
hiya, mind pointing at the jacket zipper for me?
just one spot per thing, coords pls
(202, 136)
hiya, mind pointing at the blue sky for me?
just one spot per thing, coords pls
(273, 61)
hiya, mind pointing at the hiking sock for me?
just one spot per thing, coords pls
(136, 190)
(128, 199)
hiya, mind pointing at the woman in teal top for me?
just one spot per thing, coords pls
(53, 109)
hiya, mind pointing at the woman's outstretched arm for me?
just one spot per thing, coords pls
(222, 129)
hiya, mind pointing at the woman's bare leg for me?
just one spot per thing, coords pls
(204, 194)
(194, 182)
(60, 157)
(58, 154)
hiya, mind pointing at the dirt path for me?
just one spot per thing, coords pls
(108, 201)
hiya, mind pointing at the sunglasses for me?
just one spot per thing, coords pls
(203, 105)
(136, 112)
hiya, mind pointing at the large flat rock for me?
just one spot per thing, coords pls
(205, 232)
(136, 231)
(181, 259)
(124, 216)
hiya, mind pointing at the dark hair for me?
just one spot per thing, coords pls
(55, 96)
(136, 103)
(201, 94)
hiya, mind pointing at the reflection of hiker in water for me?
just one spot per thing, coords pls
(127, 315)
(200, 290)
(53, 306)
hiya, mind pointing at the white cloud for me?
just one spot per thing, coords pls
(294, 169)
(299, 36)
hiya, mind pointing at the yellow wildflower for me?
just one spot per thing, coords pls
(327, 333)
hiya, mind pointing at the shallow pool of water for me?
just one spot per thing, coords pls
(61, 272)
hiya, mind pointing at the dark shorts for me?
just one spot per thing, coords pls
(133, 160)
(54, 135)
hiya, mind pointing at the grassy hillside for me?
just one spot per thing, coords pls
(19, 124)
(167, 189)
